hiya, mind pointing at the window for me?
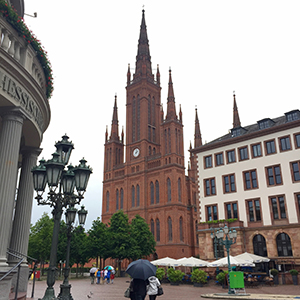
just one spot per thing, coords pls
(151, 193)
(107, 201)
(292, 115)
(230, 156)
(211, 212)
(229, 183)
(121, 198)
(152, 226)
(298, 203)
(278, 207)
(259, 245)
(210, 187)
(169, 189)
(157, 230)
(179, 189)
(284, 247)
(170, 234)
(270, 147)
(256, 150)
(253, 210)
(243, 153)
(295, 171)
(285, 143)
(117, 199)
(207, 161)
(219, 159)
(132, 196)
(181, 229)
(137, 195)
(297, 140)
(273, 175)
(231, 210)
(250, 180)
(157, 191)
(218, 247)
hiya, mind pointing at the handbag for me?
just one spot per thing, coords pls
(160, 291)
(127, 293)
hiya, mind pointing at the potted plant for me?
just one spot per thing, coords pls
(275, 272)
(198, 277)
(160, 274)
(175, 276)
(221, 278)
(294, 274)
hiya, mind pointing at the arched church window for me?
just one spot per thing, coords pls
(151, 193)
(157, 230)
(107, 201)
(259, 245)
(121, 198)
(137, 195)
(156, 191)
(179, 189)
(169, 189)
(284, 247)
(181, 229)
(132, 196)
(152, 226)
(117, 199)
(170, 233)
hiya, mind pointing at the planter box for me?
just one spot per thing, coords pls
(174, 283)
(198, 284)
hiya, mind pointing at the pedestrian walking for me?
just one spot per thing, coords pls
(112, 276)
(101, 276)
(92, 274)
(98, 276)
(138, 289)
(108, 276)
(105, 274)
(152, 287)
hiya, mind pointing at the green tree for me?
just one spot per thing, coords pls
(121, 243)
(97, 244)
(144, 243)
(40, 239)
(78, 254)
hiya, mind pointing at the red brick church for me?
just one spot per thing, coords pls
(151, 181)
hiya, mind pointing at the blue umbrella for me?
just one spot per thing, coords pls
(141, 269)
(109, 267)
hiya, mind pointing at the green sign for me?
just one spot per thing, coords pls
(236, 280)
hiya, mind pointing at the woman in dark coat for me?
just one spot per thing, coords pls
(138, 289)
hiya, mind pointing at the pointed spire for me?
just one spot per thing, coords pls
(236, 119)
(162, 113)
(180, 114)
(171, 109)
(198, 138)
(122, 135)
(158, 76)
(106, 134)
(114, 135)
(128, 75)
(143, 59)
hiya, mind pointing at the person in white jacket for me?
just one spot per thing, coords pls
(152, 288)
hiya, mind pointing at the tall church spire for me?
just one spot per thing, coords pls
(114, 135)
(171, 109)
(198, 138)
(143, 58)
(236, 118)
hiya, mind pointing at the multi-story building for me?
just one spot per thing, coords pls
(151, 181)
(25, 87)
(252, 174)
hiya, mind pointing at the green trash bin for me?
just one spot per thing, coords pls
(236, 280)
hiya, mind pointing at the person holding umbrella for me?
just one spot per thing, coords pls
(92, 274)
(140, 270)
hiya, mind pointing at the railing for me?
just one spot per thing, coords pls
(15, 45)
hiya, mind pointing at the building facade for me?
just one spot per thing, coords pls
(252, 175)
(146, 174)
(24, 117)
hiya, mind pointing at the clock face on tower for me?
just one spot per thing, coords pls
(136, 152)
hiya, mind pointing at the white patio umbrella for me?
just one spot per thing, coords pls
(223, 262)
(252, 257)
(166, 261)
(191, 262)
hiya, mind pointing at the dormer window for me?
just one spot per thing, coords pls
(265, 123)
(237, 131)
(292, 115)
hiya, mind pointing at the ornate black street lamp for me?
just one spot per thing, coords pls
(227, 237)
(61, 184)
(70, 214)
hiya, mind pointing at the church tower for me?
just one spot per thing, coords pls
(151, 181)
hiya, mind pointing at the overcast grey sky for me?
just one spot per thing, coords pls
(213, 48)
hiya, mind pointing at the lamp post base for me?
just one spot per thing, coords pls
(49, 294)
(65, 292)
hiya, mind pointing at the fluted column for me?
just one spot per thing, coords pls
(22, 216)
(10, 140)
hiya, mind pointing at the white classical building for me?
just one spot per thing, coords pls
(252, 174)
(24, 117)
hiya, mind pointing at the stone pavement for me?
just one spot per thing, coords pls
(82, 289)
